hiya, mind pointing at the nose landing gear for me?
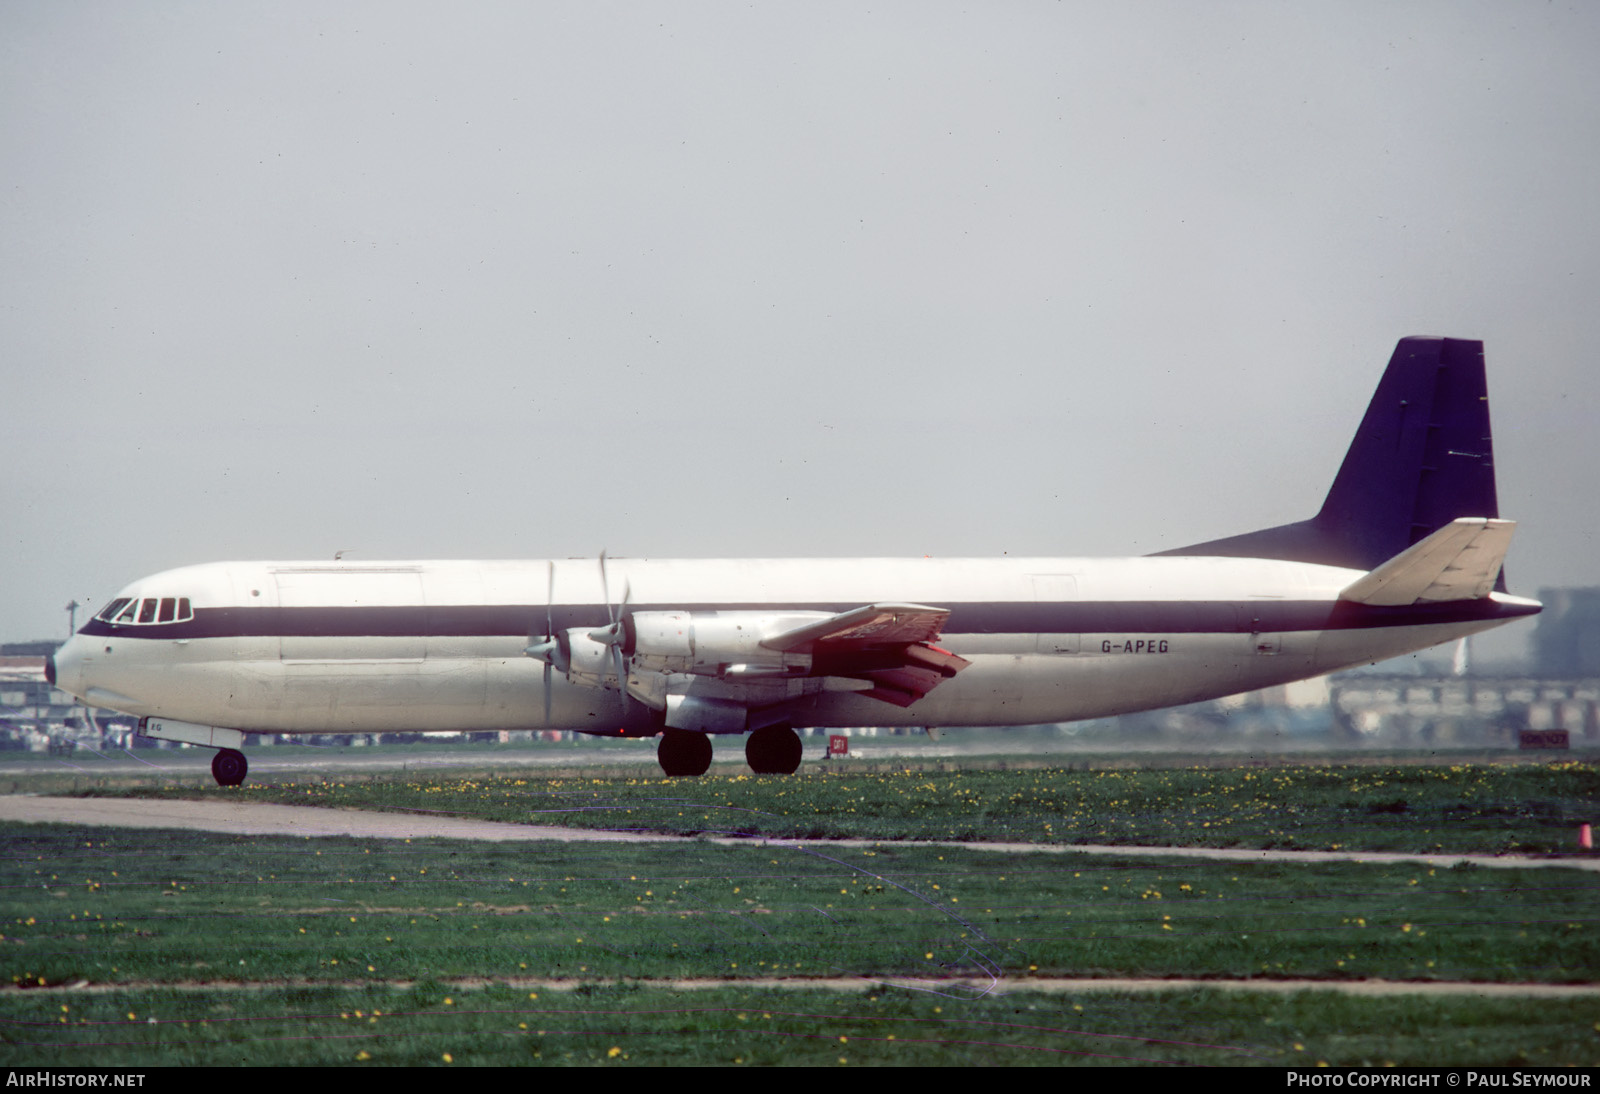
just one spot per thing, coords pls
(229, 767)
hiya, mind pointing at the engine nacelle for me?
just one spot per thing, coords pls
(707, 643)
(591, 664)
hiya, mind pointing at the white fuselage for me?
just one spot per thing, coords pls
(306, 647)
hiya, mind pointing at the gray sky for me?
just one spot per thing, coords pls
(521, 280)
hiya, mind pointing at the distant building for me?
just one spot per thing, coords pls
(29, 649)
(31, 711)
(1436, 710)
(1566, 642)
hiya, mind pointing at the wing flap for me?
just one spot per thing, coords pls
(1460, 561)
(889, 646)
(872, 625)
(902, 687)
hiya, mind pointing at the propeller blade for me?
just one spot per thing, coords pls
(549, 604)
(547, 694)
(622, 678)
(548, 648)
(613, 634)
(605, 587)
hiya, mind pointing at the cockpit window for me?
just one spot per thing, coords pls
(152, 609)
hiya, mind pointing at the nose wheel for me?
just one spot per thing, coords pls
(229, 767)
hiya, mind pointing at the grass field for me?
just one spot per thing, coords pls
(1522, 808)
(632, 1025)
(136, 947)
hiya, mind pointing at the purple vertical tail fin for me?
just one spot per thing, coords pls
(1422, 457)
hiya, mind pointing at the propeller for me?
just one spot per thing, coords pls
(550, 649)
(554, 648)
(615, 634)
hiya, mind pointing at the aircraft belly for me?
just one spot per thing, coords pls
(1117, 673)
(378, 696)
(1344, 649)
(1108, 674)
(381, 695)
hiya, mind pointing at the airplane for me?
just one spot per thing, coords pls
(1405, 553)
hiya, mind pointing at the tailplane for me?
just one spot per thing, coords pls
(1458, 562)
(1421, 459)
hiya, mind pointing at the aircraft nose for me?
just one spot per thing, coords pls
(64, 668)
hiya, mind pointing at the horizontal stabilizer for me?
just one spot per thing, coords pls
(1458, 562)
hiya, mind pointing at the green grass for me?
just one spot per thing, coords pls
(1526, 808)
(632, 1025)
(262, 950)
(118, 907)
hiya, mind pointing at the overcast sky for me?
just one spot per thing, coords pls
(523, 280)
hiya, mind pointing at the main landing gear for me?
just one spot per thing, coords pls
(684, 752)
(773, 750)
(770, 750)
(229, 767)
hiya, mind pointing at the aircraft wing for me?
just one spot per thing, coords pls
(888, 645)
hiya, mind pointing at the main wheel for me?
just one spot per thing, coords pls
(684, 752)
(773, 750)
(229, 767)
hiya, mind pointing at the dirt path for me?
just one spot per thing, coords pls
(967, 986)
(265, 819)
